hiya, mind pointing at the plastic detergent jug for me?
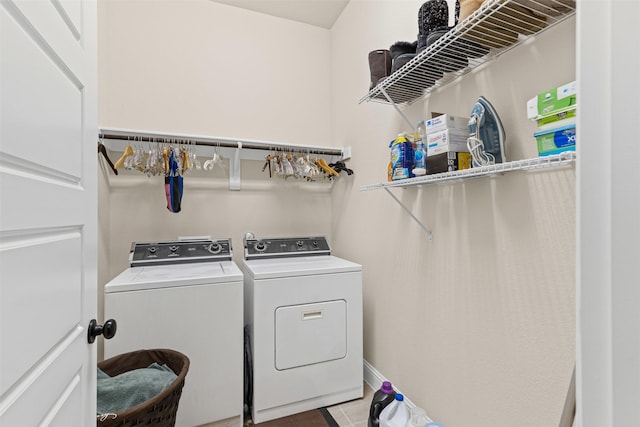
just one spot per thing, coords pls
(401, 158)
(418, 417)
(396, 414)
(381, 399)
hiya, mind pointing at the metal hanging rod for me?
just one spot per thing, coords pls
(234, 149)
(133, 136)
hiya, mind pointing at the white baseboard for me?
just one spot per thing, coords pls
(374, 378)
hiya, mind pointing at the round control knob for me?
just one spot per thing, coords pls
(152, 249)
(214, 248)
(260, 246)
(299, 243)
(173, 248)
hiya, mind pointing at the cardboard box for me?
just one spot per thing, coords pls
(555, 100)
(446, 121)
(448, 162)
(556, 141)
(446, 140)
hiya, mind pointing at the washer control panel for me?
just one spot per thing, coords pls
(285, 247)
(180, 252)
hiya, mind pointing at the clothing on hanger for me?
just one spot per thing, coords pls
(173, 184)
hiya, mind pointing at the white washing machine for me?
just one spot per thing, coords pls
(303, 309)
(186, 296)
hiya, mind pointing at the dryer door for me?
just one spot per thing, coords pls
(310, 333)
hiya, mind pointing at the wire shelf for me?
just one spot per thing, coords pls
(562, 159)
(496, 27)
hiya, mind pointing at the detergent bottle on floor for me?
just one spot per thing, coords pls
(381, 399)
(418, 417)
(396, 414)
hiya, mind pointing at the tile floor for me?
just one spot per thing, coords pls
(354, 413)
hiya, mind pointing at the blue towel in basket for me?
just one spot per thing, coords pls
(130, 388)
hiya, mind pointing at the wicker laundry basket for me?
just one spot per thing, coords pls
(160, 410)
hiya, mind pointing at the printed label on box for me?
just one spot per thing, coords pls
(446, 140)
(446, 121)
(556, 141)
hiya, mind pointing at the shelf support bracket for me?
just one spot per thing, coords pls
(234, 169)
(386, 95)
(426, 230)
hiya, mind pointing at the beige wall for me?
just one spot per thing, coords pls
(477, 326)
(204, 68)
(199, 67)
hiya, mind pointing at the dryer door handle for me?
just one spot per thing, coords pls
(310, 315)
(108, 330)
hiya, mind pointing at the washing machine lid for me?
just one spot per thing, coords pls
(297, 266)
(167, 276)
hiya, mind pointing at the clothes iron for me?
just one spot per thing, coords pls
(486, 135)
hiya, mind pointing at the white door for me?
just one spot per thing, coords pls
(608, 188)
(48, 212)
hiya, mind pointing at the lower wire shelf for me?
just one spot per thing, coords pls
(563, 159)
(556, 160)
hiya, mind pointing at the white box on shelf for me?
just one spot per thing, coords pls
(446, 121)
(446, 140)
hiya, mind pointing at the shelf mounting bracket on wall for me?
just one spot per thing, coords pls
(567, 158)
(406, 119)
(426, 230)
(234, 169)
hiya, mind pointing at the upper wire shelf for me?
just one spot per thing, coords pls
(496, 27)
(556, 160)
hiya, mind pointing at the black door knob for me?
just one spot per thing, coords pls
(108, 330)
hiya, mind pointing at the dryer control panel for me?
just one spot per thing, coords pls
(285, 247)
(180, 252)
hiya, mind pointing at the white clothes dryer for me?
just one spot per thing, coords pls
(303, 311)
(186, 296)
